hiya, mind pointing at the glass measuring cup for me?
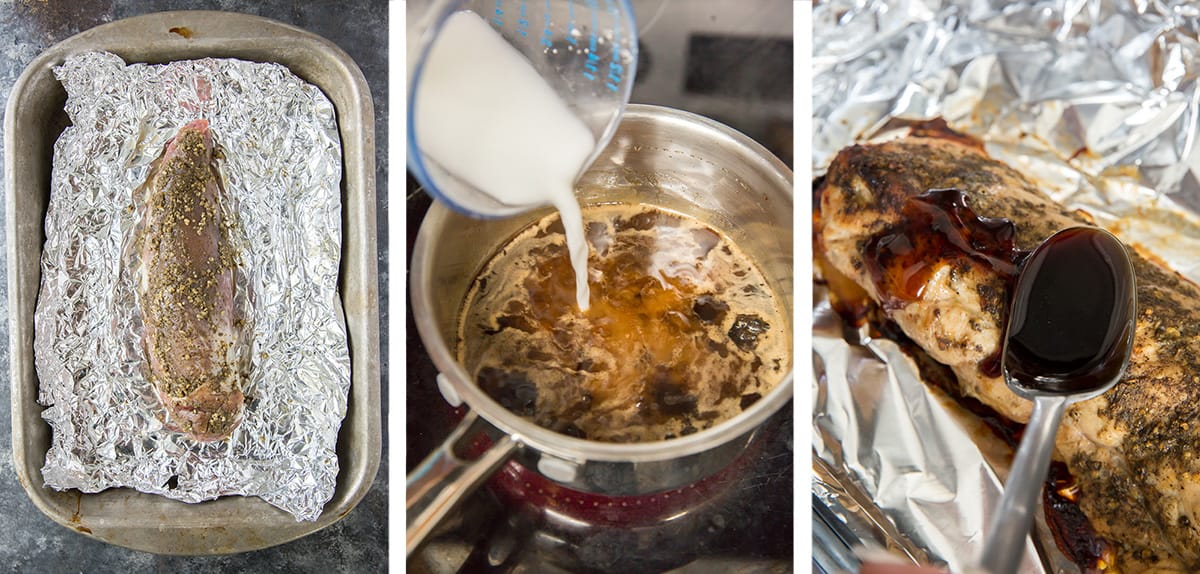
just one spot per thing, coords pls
(584, 50)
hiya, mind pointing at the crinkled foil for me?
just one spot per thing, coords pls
(1096, 100)
(282, 172)
(897, 457)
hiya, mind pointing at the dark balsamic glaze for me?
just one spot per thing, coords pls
(1071, 318)
(938, 128)
(993, 365)
(937, 227)
(1073, 533)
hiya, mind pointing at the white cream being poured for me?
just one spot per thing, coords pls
(487, 117)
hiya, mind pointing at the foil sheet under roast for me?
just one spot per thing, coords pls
(281, 170)
(1096, 101)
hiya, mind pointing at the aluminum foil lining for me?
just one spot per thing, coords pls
(1096, 100)
(282, 172)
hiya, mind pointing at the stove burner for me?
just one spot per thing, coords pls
(519, 487)
(552, 526)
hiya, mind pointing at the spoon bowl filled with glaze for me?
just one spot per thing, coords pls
(1069, 337)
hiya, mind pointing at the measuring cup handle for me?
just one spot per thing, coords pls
(443, 479)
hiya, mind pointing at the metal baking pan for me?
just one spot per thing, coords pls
(34, 120)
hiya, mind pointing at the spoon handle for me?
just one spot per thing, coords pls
(1002, 549)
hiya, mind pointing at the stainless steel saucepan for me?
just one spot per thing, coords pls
(659, 156)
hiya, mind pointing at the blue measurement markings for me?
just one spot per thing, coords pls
(591, 66)
(615, 70)
(547, 32)
(498, 19)
(523, 21)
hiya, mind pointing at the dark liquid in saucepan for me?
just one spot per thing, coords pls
(683, 330)
(1071, 313)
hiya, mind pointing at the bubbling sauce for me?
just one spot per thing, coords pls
(683, 331)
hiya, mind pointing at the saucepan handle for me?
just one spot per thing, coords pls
(443, 479)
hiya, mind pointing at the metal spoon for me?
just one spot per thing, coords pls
(1069, 337)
